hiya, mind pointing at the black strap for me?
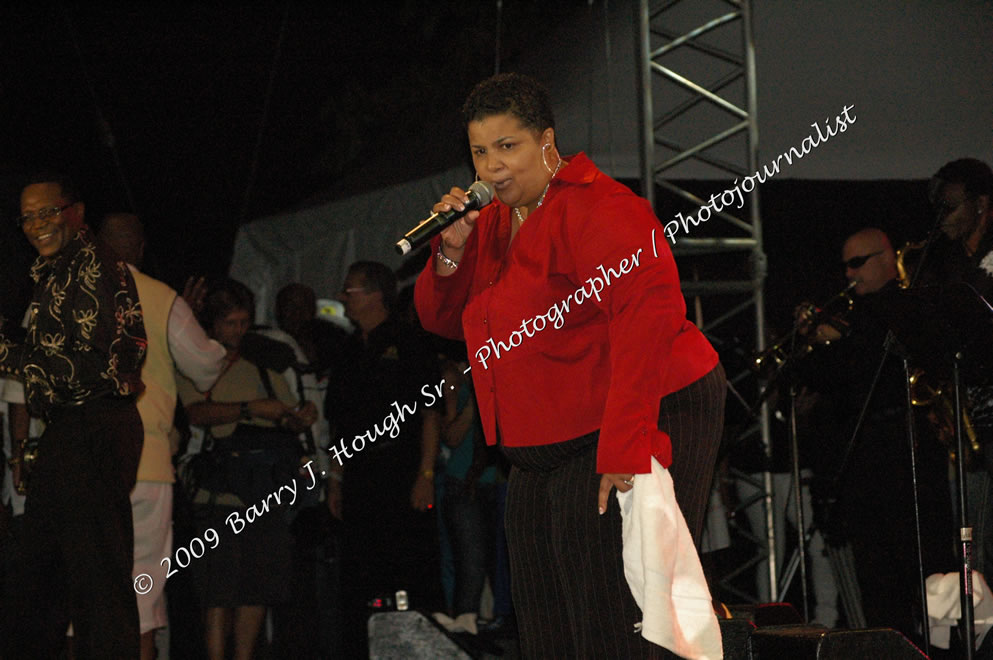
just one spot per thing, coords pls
(267, 383)
(309, 446)
(264, 375)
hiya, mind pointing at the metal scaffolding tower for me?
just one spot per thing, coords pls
(699, 124)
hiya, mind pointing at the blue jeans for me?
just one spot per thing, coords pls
(473, 517)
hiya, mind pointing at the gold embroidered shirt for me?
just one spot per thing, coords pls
(85, 336)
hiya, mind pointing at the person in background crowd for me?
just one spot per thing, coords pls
(15, 261)
(296, 312)
(472, 506)
(80, 365)
(253, 422)
(312, 342)
(175, 341)
(383, 491)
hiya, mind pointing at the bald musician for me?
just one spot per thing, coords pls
(869, 260)
(874, 497)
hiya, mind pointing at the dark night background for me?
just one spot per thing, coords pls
(158, 108)
(161, 109)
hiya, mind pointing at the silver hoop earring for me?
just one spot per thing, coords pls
(544, 162)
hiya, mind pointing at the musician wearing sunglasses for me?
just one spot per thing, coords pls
(869, 262)
(869, 493)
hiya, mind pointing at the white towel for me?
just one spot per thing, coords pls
(944, 608)
(663, 569)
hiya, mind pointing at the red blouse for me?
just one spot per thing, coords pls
(577, 325)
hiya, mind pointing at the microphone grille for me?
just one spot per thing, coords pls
(484, 191)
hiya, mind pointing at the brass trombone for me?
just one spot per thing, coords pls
(833, 312)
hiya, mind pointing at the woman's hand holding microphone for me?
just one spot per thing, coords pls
(454, 236)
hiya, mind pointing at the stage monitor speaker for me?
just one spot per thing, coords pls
(736, 632)
(801, 642)
(406, 635)
(736, 638)
(766, 614)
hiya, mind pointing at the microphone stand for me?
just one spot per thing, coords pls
(801, 526)
(840, 558)
(787, 371)
(968, 620)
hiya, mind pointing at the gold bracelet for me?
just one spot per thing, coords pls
(427, 474)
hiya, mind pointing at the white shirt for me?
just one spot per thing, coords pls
(198, 357)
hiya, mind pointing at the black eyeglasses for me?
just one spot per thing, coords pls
(41, 214)
(858, 262)
(355, 289)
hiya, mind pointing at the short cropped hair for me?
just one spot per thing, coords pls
(510, 93)
(378, 277)
(225, 297)
(297, 294)
(974, 175)
(70, 193)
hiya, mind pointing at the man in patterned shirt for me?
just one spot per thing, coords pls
(80, 365)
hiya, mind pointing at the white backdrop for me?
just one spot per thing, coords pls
(918, 72)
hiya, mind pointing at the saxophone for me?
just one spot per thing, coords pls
(923, 393)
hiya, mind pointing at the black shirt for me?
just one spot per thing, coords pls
(392, 372)
(85, 337)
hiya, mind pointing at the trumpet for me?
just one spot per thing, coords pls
(802, 338)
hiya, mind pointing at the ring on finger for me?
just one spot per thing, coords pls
(629, 482)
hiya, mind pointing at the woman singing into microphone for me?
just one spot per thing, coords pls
(585, 368)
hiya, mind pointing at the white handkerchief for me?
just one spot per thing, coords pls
(944, 607)
(663, 570)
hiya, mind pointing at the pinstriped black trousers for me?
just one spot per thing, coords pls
(567, 572)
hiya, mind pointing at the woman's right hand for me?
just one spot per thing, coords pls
(194, 292)
(455, 235)
(301, 418)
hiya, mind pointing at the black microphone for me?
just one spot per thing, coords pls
(480, 194)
